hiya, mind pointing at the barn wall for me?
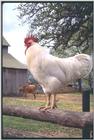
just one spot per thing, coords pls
(12, 79)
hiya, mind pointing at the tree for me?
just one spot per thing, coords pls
(60, 25)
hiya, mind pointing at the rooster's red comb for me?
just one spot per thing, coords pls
(31, 37)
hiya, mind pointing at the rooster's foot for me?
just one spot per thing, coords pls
(44, 108)
(53, 107)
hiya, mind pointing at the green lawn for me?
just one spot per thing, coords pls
(70, 102)
(39, 127)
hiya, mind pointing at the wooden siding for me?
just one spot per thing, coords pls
(12, 79)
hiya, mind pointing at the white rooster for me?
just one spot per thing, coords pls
(54, 73)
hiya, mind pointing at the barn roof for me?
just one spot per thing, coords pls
(5, 43)
(10, 62)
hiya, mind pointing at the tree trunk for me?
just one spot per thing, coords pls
(65, 118)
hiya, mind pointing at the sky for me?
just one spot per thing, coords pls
(14, 32)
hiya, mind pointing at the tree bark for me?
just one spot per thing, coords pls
(65, 118)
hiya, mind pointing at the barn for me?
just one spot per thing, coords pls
(14, 73)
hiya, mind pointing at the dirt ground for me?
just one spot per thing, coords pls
(14, 133)
(70, 97)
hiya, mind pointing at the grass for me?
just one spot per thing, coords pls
(72, 102)
(22, 102)
(28, 124)
(37, 126)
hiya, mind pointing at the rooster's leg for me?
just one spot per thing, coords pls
(48, 100)
(53, 104)
(47, 104)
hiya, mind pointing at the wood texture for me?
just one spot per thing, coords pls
(65, 118)
(12, 80)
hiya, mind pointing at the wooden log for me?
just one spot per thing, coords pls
(65, 118)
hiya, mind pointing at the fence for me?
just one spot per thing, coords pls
(83, 120)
